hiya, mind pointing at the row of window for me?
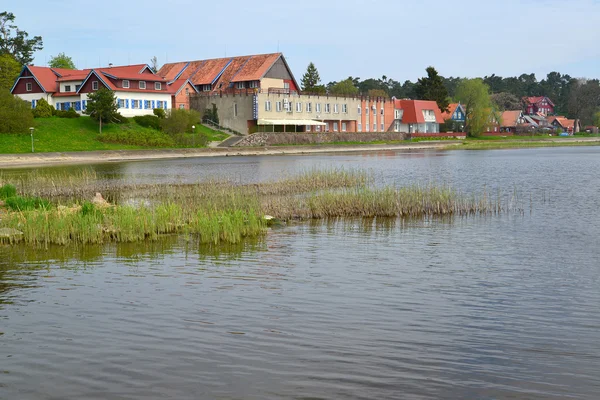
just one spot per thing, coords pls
(141, 104)
(287, 106)
(141, 85)
(374, 108)
(367, 126)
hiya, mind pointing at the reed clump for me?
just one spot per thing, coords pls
(224, 212)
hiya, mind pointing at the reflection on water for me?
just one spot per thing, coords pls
(497, 307)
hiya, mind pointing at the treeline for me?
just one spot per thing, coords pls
(577, 98)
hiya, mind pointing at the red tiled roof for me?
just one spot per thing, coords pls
(175, 86)
(136, 77)
(46, 77)
(256, 67)
(564, 122)
(72, 75)
(413, 110)
(510, 118)
(170, 71)
(205, 72)
(536, 99)
(451, 108)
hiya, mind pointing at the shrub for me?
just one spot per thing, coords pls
(17, 203)
(179, 121)
(70, 113)
(118, 118)
(160, 113)
(43, 109)
(211, 115)
(15, 114)
(148, 121)
(137, 138)
(7, 191)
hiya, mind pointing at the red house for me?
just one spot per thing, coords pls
(538, 105)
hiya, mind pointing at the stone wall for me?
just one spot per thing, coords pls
(235, 111)
(278, 138)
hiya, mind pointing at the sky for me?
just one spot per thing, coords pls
(359, 38)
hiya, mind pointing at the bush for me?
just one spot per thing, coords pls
(43, 109)
(118, 118)
(148, 121)
(179, 121)
(160, 113)
(15, 114)
(7, 191)
(17, 203)
(137, 138)
(70, 113)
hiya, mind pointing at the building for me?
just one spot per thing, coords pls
(138, 90)
(261, 72)
(564, 124)
(511, 120)
(456, 113)
(375, 115)
(417, 116)
(538, 105)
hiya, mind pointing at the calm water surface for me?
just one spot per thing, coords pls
(498, 307)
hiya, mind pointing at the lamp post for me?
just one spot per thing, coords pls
(31, 131)
(194, 134)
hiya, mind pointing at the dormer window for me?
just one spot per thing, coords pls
(253, 84)
(95, 85)
(157, 86)
(142, 85)
(29, 86)
(241, 85)
(206, 88)
(67, 88)
(125, 84)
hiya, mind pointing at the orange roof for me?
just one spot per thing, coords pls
(46, 77)
(175, 86)
(510, 118)
(536, 99)
(71, 75)
(565, 122)
(256, 67)
(413, 110)
(170, 71)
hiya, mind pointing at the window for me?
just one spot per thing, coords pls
(147, 104)
(135, 104)
(307, 129)
(125, 84)
(206, 88)
(327, 108)
(157, 86)
(397, 126)
(366, 110)
(359, 110)
(335, 126)
(318, 128)
(268, 105)
(382, 111)
(318, 107)
(374, 127)
(336, 108)
(367, 127)
(75, 105)
(187, 91)
(95, 85)
(142, 85)
(278, 106)
(359, 126)
(382, 127)
(67, 88)
(396, 114)
(327, 127)
(298, 107)
(241, 85)
(235, 110)
(344, 127)
(121, 103)
(345, 108)
(77, 87)
(182, 106)
(29, 86)
(308, 107)
(254, 84)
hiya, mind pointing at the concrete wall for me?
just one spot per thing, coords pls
(309, 107)
(226, 105)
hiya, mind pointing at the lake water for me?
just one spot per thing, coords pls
(496, 307)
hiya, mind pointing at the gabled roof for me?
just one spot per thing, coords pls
(106, 82)
(511, 118)
(451, 109)
(565, 123)
(45, 77)
(72, 75)
(413, 110)
(175, 87)
(223, 71)
(537, 100)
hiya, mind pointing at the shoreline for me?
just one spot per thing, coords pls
(112, 156)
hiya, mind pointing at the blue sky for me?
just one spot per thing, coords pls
(364, 38)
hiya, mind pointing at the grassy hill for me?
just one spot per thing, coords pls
(81, 134)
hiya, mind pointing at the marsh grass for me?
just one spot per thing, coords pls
(224, 212)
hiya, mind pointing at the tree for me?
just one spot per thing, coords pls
(373, 93)
(584, 101)
(61, 61)
(505, 101)
(15, 114)
(9, 71)
(474, 96)
(43, 109)
(597, 119)
(432, 88)
(310, 79)
(16, 42)
(102, 105)
(154, 64)
(344, 88)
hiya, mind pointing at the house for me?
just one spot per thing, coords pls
(416, 116)
(180, 91)
(261, 72)
(564, 124)
(375, 114)
(138, 90)
(511, 120)
(456, 113)
(538, 105)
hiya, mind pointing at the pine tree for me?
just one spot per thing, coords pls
(311, 78)
(432, 88)
(102, 105)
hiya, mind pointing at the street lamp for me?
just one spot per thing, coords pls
(31, 131)
(194, 134)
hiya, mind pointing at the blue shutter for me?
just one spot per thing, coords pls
(153, 104)
(67, 106)
(32, 103)
(126, 103)
(78, 106)
(84, 104)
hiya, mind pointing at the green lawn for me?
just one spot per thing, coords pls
(81, 134)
